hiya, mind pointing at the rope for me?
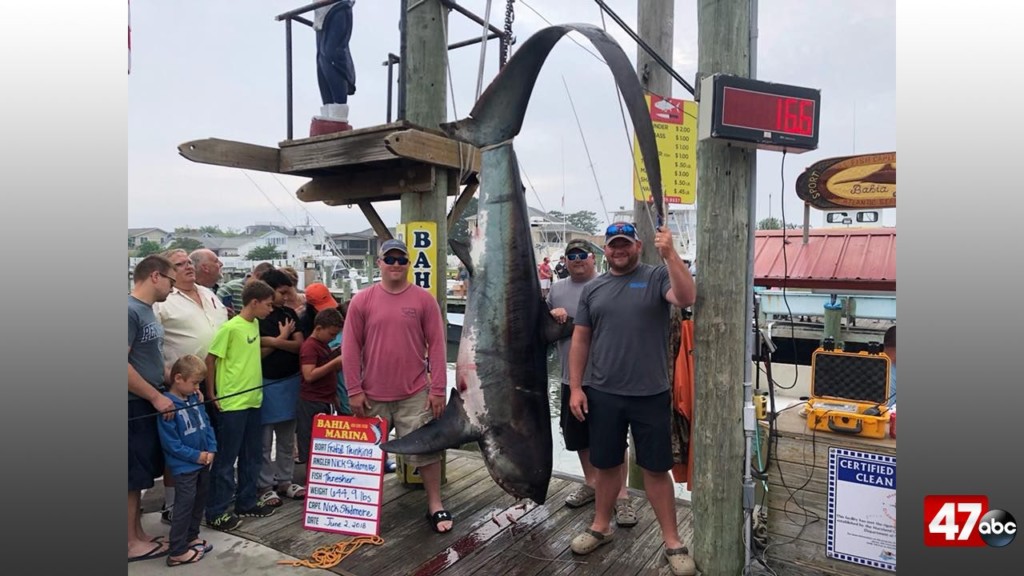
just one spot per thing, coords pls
(586, 149)
(331, 556)
(483, 50)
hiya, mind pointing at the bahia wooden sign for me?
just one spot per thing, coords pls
(862, 181)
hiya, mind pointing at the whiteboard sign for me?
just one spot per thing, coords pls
(345, 475)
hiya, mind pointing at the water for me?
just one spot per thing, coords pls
(562, 460)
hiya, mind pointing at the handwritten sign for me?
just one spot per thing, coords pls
(345, 476)
(862, 508)
(675, 129)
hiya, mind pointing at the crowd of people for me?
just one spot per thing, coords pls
(230, 376)
(226, 376)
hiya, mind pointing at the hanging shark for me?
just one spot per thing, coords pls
(500, 400)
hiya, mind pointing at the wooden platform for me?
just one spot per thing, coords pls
(798, 497)
(376, 163)
(493, 533)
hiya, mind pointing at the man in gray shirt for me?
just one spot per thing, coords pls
(154, 278)
(620, 352)
(563, 299)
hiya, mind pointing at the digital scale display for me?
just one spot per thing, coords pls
(759, 114)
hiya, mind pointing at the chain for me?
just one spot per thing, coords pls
(509, 40)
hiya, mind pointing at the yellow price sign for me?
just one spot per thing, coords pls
(675, 128)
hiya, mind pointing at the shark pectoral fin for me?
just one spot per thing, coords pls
(552, 331)
(461, 250)
(452, 430)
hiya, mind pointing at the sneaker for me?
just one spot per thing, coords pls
(257, 511)
(165, 515)
(226, 521)
(581, 496)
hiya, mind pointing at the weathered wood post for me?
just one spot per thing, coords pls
(423, 101)
(721, 320)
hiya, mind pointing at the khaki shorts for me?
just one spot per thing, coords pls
(406, 416)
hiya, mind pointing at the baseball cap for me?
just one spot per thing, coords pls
(320, 297)
(392, 244)
(578, 245)
(620, 230)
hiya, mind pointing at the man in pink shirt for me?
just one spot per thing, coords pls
(393, 357)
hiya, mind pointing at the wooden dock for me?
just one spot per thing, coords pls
(493, 532)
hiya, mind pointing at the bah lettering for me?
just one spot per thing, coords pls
(421, 267)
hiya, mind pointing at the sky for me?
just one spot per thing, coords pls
(208, 69)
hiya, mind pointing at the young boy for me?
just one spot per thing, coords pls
(234, 383)
(189, 445)
(280, 341)
(318, 391)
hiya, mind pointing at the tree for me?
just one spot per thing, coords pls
(186, 244)
(584, 220)
(266, 252)
(148, 247)
(773, 224)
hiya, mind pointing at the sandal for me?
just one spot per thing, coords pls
(438, 517)
(581, 496)
(203, 545)
(271, 499)
(196, 556)
(294, 491)
(680, 562)
(589, 541)
(625, 514)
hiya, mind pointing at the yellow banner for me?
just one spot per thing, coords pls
(675, 128)
(421, 238)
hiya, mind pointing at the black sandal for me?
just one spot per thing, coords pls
(196, 556)
(438, 517)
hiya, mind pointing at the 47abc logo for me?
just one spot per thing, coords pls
(959, 520)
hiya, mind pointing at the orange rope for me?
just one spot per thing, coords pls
(331, 556)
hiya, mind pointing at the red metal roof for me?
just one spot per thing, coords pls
(833, 259)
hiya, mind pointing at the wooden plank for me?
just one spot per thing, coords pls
(436, 150)
(798, 502)
(810, 555)
(783, 475)
(378, 184)
(376, 222)
(783, 528)
(380, 129)
(231, 154)
(507, 546)
(353, 149)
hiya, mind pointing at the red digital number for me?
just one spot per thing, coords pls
(953, 520)
(794, 115)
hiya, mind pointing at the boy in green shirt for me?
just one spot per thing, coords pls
(234, 384)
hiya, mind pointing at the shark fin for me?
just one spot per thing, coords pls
(461, 250)
(551, 330)
(452, 430)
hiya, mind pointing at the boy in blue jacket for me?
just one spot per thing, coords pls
(189, 444)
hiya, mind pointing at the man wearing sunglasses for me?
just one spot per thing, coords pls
(563, 299)
(393, 357)
(618, 379)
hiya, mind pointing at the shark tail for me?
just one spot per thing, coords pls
(451, 430)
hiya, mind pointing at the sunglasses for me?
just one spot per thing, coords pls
(577, 256)
(392, 260)
(615, 229)
(173, 281)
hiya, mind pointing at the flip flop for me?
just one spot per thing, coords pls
(196, 556)
(438, 517)
(203, 545)
(160, 539)
(154, 553)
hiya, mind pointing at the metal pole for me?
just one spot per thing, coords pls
(483, 51)
(749, 419)
(288, 73)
